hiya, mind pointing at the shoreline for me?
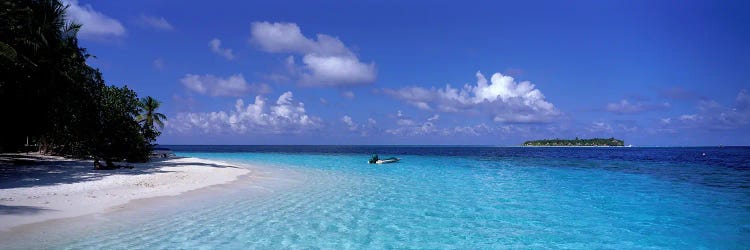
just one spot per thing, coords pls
(49, 188)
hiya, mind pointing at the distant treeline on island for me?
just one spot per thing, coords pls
(577, 142)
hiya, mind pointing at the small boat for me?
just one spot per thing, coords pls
(389, 160)
(376, 160)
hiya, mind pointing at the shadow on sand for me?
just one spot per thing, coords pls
(22, 170)
(21, 210)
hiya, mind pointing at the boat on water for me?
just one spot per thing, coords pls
(376, 160)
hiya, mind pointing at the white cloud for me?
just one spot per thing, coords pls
(600, 127)
(626, 107)
(413, 129)
(431, 128)
(714, 116)
(94, 24)
(416, 96)
(335, 71)
(260, 117)
(158, 23)
(742, 102)
(290, 65)
(215, 45)
(234, 85)
(288, 37)
(348, 121)
(628, 128)
(158, 64)
(327, 61)
(410, 127)
(475, 130)
(503, 98)
(688, 117)
(363, 129)
(348, 94)
(403, 120)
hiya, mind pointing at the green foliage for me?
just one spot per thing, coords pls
(148, 117)
(120, 135)
(49, 94)
(577, 142)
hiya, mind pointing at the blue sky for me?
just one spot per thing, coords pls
(430, 72)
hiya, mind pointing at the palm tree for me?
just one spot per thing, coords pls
(149, 116)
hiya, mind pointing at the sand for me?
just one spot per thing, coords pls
(36, 188)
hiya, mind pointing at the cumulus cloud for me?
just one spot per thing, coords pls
(503, 98)
(211, 85)
(94, 23)
(348, 121)
(626, 107)
(154, 22)
(215, 45)
(364, 129)
(327, 61)
(285, 116)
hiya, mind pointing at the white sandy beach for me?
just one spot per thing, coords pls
(40, 188)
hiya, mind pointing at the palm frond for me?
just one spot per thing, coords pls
(7, 52)
(160, 123)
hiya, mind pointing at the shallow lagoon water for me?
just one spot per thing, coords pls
(460, 197)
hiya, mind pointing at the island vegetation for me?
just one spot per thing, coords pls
(577, 142)
(53, 102)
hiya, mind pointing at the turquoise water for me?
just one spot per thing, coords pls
(465, 201)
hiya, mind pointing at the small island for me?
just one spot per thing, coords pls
(610, 142)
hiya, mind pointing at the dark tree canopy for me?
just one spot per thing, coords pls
(577, 142)
(51, 97)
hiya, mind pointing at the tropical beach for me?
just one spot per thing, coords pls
(374, 125)
(51, 188)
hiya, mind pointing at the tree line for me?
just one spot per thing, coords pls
(51, 100)
(577, 142)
